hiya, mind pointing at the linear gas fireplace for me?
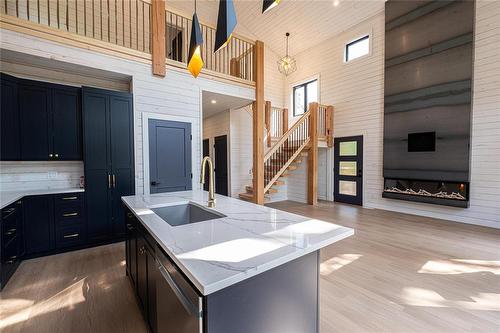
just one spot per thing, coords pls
(428, 101)
(436, 192)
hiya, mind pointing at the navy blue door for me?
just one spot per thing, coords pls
(38, 224)
(97, 173)
(109, 160)
(206, 152)
(348, 170)
(221, 182)
(67, 123)
(9, 118)
(169, 156)
(34, 109)
(122, 159)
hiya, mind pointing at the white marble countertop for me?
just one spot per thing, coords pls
(8, 197)
(251, 239)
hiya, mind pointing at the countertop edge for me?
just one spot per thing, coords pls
(217, 286)
(17, 195)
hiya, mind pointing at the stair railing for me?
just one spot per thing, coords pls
(284, 152)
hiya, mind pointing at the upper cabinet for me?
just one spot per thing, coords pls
(10, 149)
(66, 123)
(40, 121)
(34, 111)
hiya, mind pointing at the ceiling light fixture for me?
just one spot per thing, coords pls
(267, 5)
(226, 22)
(195, 62)
(213, 101)
(287, 65)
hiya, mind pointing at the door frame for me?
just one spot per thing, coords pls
(196, 145)
(334, 176)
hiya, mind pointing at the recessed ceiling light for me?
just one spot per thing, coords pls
(336, 3)
(213, 101)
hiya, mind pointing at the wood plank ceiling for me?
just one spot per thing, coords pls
(309, 22)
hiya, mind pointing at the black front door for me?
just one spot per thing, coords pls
(348, 170)
(169, 156)
(221, 164)
(206, 152)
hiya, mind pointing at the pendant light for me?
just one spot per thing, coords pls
(267, 5)
(287, 65)
(195, 62)
(226, 22)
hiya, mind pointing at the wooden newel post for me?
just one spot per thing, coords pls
(267, 118)
(158, 55)
(312, 157)
(258, 126)
(329, 126)
(285, 120)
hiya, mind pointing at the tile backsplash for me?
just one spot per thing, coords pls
(22, 175)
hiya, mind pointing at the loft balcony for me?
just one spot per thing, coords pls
(124, 28)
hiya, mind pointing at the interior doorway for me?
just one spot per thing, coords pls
(348, 170)
(221, 164)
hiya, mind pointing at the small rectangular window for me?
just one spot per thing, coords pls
(357, 48)
(304, 94)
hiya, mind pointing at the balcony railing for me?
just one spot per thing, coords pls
(236, 59)
(127, 24)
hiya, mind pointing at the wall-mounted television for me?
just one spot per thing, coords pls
(420, 142)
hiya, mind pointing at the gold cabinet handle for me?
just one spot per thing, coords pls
(109, 181)
(51, 155)
(130, 215)
(56, 155)
(114, 181)
(70, 214)
(70, 198)
(71, 236)
(10, 232)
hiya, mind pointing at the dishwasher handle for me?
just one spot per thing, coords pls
(186, 303)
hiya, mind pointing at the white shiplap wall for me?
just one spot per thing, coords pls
(356, 91)
(178, 94)
(241, 149)
(218, 125)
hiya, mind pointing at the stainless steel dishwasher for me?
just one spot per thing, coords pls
(179, 307)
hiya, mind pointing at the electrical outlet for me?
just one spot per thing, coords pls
(52, 174)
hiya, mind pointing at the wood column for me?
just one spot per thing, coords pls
(285, 120)
(312, 156)
(158, 37)
(329, 126)
(258, 126)
(234, 67)
(267, 117)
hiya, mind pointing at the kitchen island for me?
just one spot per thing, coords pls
(242, 268)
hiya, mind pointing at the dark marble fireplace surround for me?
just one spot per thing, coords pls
(427, 106)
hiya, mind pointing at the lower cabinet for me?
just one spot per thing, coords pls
(11, 241)
(167, 300)
(54, 222)
(39, 232)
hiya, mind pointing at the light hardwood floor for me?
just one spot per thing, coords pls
(403, 273)
(398, 273)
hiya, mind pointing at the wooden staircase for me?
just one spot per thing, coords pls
(283, 157)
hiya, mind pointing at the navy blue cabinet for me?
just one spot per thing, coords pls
(109, 160)
(66, 123)
(40, 121)
(11, 240)
(10, 149)
(34, 107)
(39, 233)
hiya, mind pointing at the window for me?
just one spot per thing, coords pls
(304, 94)
(357, 48)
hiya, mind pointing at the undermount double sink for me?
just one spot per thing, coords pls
(186, 214)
